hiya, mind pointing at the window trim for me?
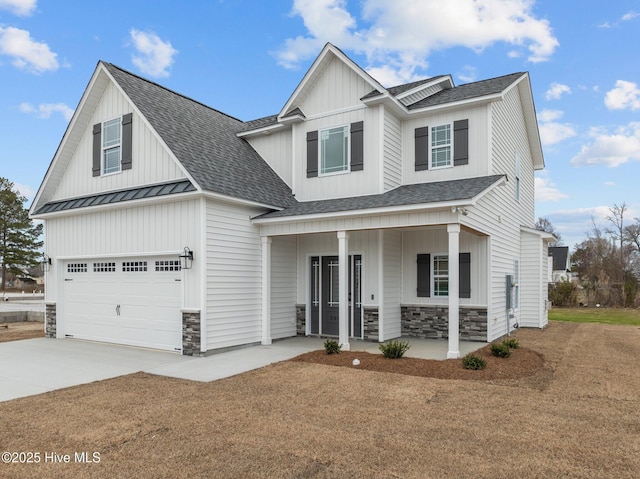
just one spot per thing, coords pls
(431, 147)
(434, 290)
(104, 149)
(347, 131)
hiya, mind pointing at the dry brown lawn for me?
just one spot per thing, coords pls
(575, 416)
(20, 330)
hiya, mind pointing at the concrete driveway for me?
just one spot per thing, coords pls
(36, 366)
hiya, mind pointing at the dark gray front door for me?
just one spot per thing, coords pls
(330, 304)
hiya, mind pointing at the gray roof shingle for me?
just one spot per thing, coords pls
(421, 193)
(468, 91)
(204, 141)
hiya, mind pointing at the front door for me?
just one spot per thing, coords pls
(324, 304)
(330, 303)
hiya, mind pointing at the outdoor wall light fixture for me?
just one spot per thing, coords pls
(46, 263)
(186, 258)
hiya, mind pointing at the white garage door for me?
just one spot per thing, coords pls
(132, 301)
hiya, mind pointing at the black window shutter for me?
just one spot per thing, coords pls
(127, 133)
(465, 275)
(97, 148)
(460, 142)
(357, 146)
(422, 148)
(424, 275)
(312, 154)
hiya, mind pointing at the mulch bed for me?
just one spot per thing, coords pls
(523, 362)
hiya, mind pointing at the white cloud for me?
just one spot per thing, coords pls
(24, 190)
(630, 16)
(610, 149)
(22, 8)
(625, 95)
(556, 90)
(27, 53)
(45, 110)
(610, 183)
(551, 131)
(575, 224)
(468, 74)
(155, 56)
(547, 191)
(404, 37)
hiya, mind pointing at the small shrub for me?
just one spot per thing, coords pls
(394, 349)
(471, 361)
(512, 343)
(500, 350)
(331, 346)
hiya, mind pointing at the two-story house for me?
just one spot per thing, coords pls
(357, 211)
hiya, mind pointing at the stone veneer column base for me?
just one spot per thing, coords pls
(50, 326)
(371, 324)
(431, 322)
(191, 333)
(301, 319)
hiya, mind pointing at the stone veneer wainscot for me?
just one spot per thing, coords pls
(432, 322)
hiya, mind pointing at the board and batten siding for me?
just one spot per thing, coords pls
(276, 150)
(283, 287)
(392, 151)
(152, 163)
(436, 241)
(391, 284)
(533, 281)
(233, 276)
(478, 134)
(153, 229)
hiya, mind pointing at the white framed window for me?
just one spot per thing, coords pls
(131, 266)
(168, 265)
(334, 150)
(440, 275)
(104, 267)
(111, 146)
(77, 268)
(441, 147)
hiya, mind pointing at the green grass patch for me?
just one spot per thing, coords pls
(630, 317)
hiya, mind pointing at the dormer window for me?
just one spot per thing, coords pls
(334, 150)
(111, 141)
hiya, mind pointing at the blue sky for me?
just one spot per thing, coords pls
(246, 57)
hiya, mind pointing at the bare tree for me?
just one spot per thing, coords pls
(616, 218)
(544, 224)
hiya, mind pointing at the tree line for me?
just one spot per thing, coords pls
(607, 263)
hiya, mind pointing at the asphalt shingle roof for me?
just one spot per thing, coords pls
(559, 255)
(422, 193)
(468, 91)
(204, 141)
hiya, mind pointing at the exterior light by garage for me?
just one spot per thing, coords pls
(186, 258)
(46, 263)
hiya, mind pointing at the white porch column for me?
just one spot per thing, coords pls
(266, 290)
(454, 288)
(343, 292)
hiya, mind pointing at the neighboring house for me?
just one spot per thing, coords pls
(357, 211)
(560, 265)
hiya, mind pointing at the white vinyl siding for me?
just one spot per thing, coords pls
(478, 146)
(233, 276)
(283, 287)
(533, 281)
(156, 228)
(392, 151)
(391, 284)
(152, 163)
